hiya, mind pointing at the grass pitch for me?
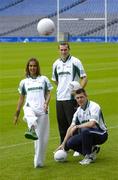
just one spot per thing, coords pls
(16, 153)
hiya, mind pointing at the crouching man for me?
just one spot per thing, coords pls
(87, 130)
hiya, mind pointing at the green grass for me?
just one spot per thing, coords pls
(16, 153)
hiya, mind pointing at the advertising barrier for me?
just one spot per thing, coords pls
(54, 39)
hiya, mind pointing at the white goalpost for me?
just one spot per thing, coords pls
(84, 19)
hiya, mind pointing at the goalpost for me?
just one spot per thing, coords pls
(84, 19)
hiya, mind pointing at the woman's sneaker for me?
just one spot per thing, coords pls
(31, 134)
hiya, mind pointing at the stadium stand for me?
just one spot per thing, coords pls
(20, 17)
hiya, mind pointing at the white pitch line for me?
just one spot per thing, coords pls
(14, 145)
(21, 144)
(113, 127)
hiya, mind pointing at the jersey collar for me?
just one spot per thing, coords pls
(32, 77)
(68, 58)
(86, 105)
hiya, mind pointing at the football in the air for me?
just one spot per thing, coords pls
(45, 27)
(60, 155)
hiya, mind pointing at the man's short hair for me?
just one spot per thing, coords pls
(79, 91)
(64, 43)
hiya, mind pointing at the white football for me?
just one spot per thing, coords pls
(60, 155)
(74, 85)
(45, 26)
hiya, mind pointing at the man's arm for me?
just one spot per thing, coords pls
(90, 124)
(67, 136)
(83, 81)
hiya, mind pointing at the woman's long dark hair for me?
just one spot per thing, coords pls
(27, 73)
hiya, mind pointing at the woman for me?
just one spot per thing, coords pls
(36, 89)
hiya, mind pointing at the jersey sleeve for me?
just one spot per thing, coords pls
(48, 85)
(75, 119)
(95, 111)
(54, 72)
(21, 88)
(80, 68)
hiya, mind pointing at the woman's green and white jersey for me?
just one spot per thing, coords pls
(35, 91)
(90, 112)
(65, 72)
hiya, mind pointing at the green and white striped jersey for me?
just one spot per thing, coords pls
(91, 111)
(35, 91)
(65, 72)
